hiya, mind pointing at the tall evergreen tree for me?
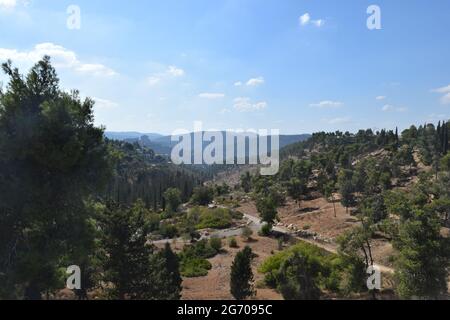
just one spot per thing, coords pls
(52, 158)
(241, 283)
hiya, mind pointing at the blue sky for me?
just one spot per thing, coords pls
(157, 66)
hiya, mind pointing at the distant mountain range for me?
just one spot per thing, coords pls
(163, 144)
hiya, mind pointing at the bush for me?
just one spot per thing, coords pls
(214, 218)
(216, 244)
(168, 231)
(194, 267)
(331, 272)
(202, 196)
(266, 230)
(247, 233)
(193, 261)
(232, 243)
(279, 274)
(173, 199)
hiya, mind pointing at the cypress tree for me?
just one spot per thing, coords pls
(241, 283)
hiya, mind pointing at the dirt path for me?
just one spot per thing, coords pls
(252, 216)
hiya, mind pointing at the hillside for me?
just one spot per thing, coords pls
(163, 144)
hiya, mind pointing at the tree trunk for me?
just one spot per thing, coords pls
(334, 206)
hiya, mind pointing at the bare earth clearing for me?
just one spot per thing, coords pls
(216, 285)
(317, 216)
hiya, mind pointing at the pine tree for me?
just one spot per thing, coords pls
(52, 158)
(421, 265)
(166, 274)
(241, 283)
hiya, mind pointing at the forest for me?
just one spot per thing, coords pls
(70, 196)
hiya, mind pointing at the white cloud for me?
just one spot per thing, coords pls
(96, 69)
(327, 104)
(175, 72)
(170, 72)
(339, 120)
(318, 23)
(255, 82)
(211, 96)
(105, 104)
(388, 108)
(446, 91)
(446, 99)
(305, 19)
(153, 81)
(244, 104)
(379, 98)
(8, 4)
(61, 58)
(442, 90)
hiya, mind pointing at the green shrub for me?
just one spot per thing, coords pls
(193, 261)
(216, 244)
(194, 267)
(214, 219)
(232, 243)
(202, 196)
(201, 249)
(247, 233)
(168, 231)
(335, 273)
(266, 230)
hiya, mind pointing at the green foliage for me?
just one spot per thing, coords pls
(246, 182)
(266, 230)
(202, 196)
(445, 162)
(374, 208)
(128, 261)
(141, 175)
(296, 188)
(193, 267)
(221, 190)
(304, 270)
(168, 230)
(166, 275)
(267, 209)
(173, 199)
(346, 188)
(247, 233)
(296, 278)
(423, 255)
(232, 243)
(241, 282)
(52, 158)
(193, 258)
(216, 244)
(219, 218)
